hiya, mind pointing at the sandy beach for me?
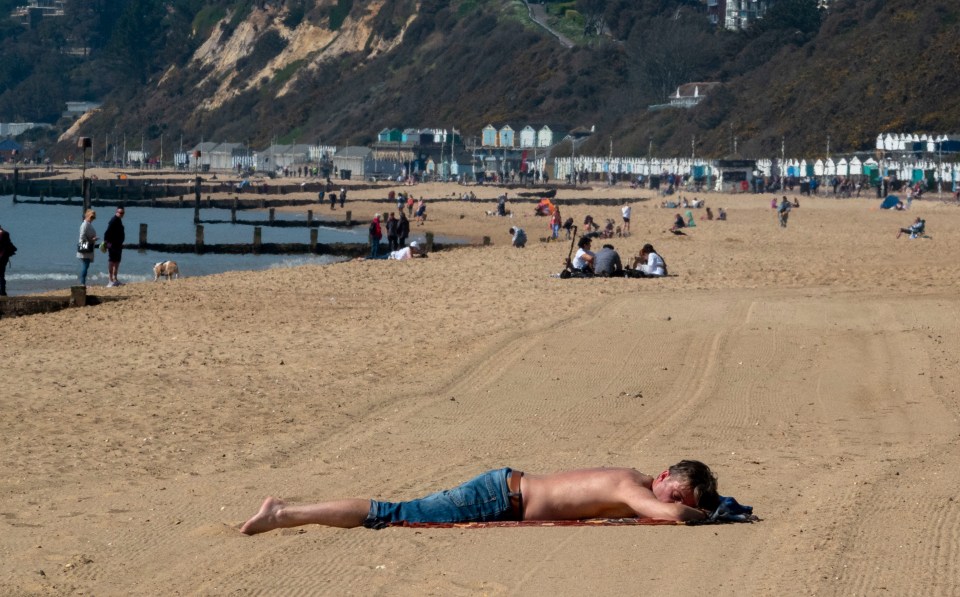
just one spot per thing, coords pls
(815, 368)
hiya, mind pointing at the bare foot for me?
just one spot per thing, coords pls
(265, 519)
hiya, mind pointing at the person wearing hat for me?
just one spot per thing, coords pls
(414, 251)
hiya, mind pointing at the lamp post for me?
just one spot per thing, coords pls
(83, 144)
(783, 161)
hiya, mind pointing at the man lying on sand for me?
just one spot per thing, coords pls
(686, 491)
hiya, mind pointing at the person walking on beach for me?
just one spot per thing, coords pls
(684, 492)
(403, 230)
(625, 211)
(555, 222)
(343, 196)
(375, 236)
(7, 250)
(114, 237)
(86, 244)
(421, 212)
(783, 212)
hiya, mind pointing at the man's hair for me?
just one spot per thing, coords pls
(584, 241)
(701, 481)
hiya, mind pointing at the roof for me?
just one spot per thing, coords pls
(354, 151)
(10, 145)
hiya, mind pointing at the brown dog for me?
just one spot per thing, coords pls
(167, 269)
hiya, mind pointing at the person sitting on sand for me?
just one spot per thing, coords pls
(589, 225)
(649, 264)
(584, 259)
(687, 491)
(607, 262)
(519, 237)
(915, 229)
(722, 214)
(678, 223)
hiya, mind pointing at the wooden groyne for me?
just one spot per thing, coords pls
(17, 306)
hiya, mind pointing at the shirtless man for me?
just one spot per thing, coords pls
(685, 491)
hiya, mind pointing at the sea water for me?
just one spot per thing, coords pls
(46, 239)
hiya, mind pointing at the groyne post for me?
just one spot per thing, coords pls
(16, 181)
(257, 238)
(313, 240)
(486, 241)
(78, 296)
(349, 217)
(273, 214)
(198, 247)
(143, 237)
(309, 216)
(196, 201)
(429, 241)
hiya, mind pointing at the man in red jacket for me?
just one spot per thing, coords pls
(375, 236)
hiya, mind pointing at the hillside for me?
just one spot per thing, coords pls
(337, 71)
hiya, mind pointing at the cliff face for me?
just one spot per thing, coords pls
(338, 71)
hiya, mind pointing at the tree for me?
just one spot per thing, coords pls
(793, 16)
(592, 11)
(135, 38)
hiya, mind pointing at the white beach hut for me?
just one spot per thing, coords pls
(855, 166)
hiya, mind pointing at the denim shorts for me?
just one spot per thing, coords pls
(481, 499)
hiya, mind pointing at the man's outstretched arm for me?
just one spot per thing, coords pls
(647, 506)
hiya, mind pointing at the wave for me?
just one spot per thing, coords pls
(298, 261)
(61, 277)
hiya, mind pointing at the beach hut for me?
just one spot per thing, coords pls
(829, 167)
(356, 160)
(528, 137)
(389, 135)
(843, 167)
(550, 135)
(204, 162)
(220, 157)
(855, 166)
(489, 136)
(506, 136)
